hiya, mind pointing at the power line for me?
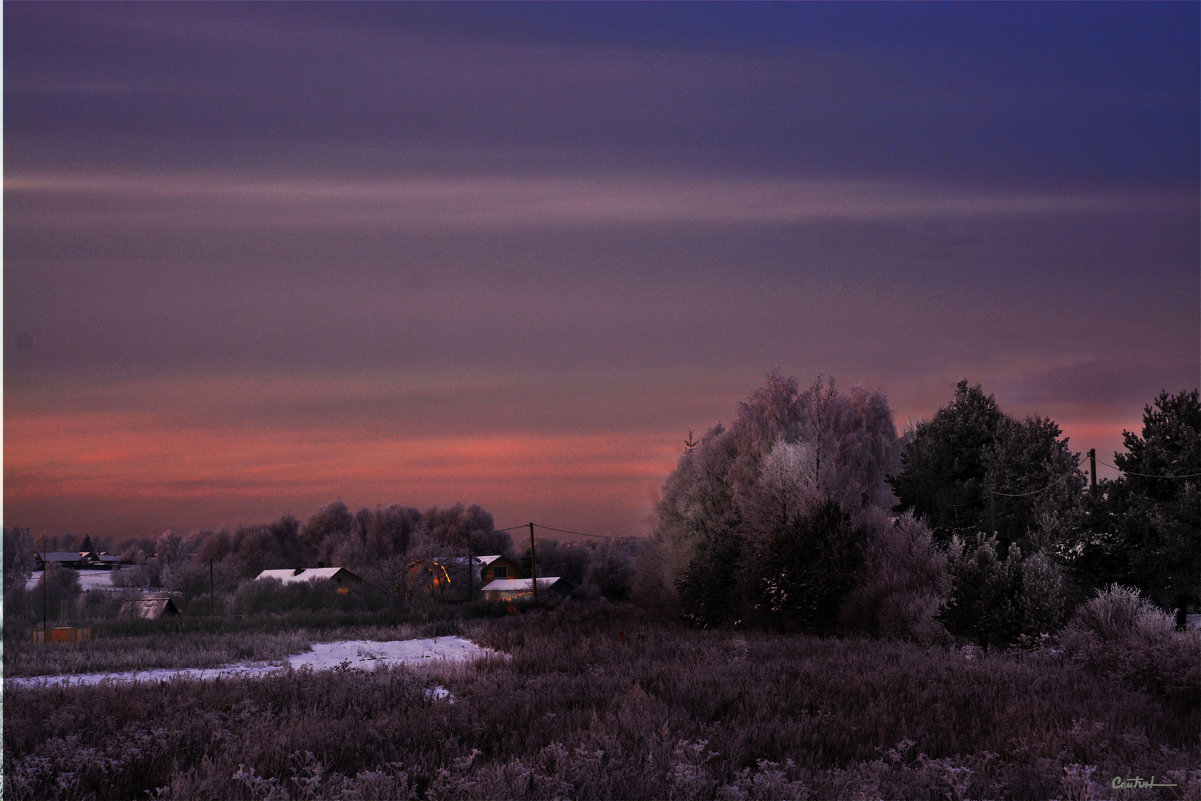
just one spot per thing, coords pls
(1147, 475)
(581, 533)
(1051, 484)
(565, 531)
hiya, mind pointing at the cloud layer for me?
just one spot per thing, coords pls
(261, 256)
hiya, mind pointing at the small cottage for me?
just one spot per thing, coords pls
(512, 589)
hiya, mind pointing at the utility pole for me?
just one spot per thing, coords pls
(1092, 468)
(533, 564)
(470, 570)
(211, 593)
(45, 603)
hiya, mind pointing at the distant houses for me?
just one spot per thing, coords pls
(446, 578)
(493, 578)
(78, 560)
(75, 560)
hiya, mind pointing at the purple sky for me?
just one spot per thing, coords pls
(258, 257)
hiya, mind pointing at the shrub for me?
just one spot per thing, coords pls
(904, 582)
(1118, 613)
(272, 595)
(999, 601)
(56, 591)
(1123, 635)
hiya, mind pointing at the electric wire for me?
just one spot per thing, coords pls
(1148, 475)
(565, 531)
(1049, 485)
(582, 533)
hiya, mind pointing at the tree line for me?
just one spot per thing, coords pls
(379, 545)
(807, 512)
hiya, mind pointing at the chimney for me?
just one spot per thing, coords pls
(297, 571)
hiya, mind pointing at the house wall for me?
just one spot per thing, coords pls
(507, 595)
(347, 579)
(512, 570)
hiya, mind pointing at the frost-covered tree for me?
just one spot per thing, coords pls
(903, 585)
(19, 557)
(458, 528)
(327, 531)
(611, 571)
(787, 454)
(56, 591)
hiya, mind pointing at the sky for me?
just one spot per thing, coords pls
(260, 257)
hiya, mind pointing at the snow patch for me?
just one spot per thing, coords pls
(341, 655)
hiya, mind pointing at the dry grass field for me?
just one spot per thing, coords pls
(601, 702)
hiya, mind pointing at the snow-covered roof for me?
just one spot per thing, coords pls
(64, 556)
(518, 585)
(290, 575)
(487, 560)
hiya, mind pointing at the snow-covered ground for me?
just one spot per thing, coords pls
(88, 579)
(355, 654)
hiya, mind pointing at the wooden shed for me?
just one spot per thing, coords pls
(149, 608)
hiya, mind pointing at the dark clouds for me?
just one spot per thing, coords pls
(998, 94)
(371, 225)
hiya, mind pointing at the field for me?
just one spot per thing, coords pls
(595, 702)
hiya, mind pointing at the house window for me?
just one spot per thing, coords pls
(500, 572)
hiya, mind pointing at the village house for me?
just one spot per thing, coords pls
(76, 560)
(340, 575)
(512, 589)
(497, 567)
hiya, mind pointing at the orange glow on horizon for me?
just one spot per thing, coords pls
(79, 459)
(100, 471)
